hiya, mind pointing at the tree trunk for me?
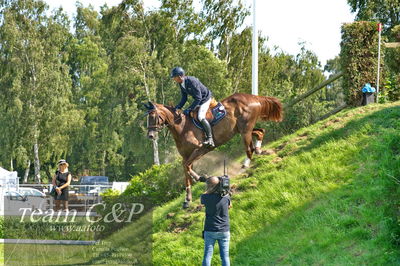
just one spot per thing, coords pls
(155, 152)
(103, 164)
(36, 158)
(28, 166)
(155, 141)
(11, 165)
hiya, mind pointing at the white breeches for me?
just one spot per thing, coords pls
(203, 110)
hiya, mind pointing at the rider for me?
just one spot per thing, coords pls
(201, 95)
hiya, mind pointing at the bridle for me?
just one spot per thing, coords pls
(159, 122)
(157, 125)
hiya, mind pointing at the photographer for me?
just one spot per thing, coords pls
(216, 226)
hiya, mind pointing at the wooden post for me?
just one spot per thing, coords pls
(392, 44)
(334, 111)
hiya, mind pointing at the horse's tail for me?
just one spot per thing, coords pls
(271, 109)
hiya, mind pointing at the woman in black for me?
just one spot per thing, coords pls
(61, 181)
(216, 226)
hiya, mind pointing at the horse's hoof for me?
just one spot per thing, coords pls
(258, 151)
(246, 163)
(185, 205)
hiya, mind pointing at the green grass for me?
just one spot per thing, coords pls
(1, 254)
(131, 243)
(329, 195)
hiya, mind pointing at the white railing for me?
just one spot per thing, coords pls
(80, 197)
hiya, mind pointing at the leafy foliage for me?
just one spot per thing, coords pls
(392, 82)
(1, 227)
(386, 11)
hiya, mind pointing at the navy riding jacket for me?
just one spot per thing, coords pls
(196, 89)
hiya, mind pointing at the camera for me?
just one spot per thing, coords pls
(224, 185)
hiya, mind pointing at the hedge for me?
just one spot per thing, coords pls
(359, 55)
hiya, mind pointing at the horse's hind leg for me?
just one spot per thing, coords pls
(248, 145)
(259, 134)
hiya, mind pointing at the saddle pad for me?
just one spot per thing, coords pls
(218, 112)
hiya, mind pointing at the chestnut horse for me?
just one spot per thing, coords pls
(243, 111)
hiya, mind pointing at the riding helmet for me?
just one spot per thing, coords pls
(177, 71)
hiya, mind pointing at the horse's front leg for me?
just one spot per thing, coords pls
(188, 185)
(196, 176)
(191, 175)
(196, 154)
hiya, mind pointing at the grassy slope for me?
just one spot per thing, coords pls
(327, 196)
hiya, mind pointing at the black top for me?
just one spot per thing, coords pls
(217, 215)
(61, 178)
(196, 89)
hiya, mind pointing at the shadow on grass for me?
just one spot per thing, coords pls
(348, 226)
(353, 224)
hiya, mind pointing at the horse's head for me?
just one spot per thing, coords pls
(155, 120)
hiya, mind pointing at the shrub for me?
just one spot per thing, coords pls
(160, 183)
(1, 227)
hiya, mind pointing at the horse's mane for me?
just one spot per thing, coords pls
(172, 110)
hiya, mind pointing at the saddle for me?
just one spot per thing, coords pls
(216, 112)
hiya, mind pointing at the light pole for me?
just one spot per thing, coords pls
(254, 68)
(379, 61)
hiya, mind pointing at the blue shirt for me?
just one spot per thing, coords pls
(196, 89)
(217, 215)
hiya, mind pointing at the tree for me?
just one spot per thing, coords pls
(200, 62)
(89, 65)
(35, 81)
(385, 11)
(223, 19)
(185, 21)
(133, 83)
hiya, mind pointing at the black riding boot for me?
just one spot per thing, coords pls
(207, 128)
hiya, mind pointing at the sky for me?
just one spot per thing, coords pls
(285, 23)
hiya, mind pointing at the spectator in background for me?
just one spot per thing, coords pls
(61, 181)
